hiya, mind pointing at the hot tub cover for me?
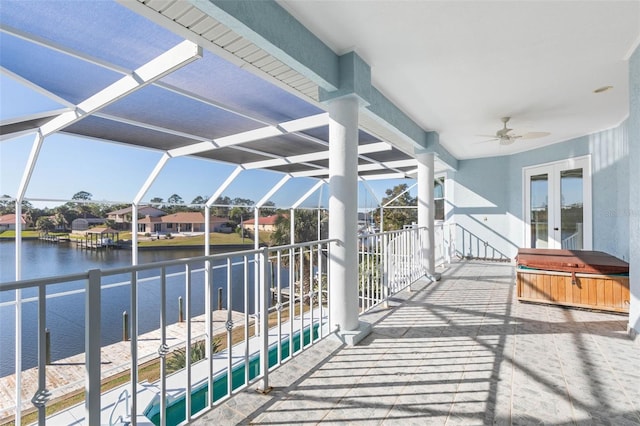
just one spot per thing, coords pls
(574, 261)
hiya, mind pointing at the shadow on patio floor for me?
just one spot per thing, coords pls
(459, 351)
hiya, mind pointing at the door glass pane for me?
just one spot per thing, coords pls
(540, 211)
(571, 213)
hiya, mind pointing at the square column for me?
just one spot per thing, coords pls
(343, 219)
(633, 124)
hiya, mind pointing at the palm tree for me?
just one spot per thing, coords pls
(177, 360)
(236, 213)
(305, 229)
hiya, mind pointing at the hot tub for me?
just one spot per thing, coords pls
(580, 278)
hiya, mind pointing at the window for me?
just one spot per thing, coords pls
(438, 198)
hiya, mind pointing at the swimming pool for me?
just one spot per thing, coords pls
(199, 395)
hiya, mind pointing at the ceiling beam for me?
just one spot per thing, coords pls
(224, 186)
(308, 194)
(368, 188)
(314, 156)
(383, 176)
(158, 67)
(306, 123)
(151, 178)
(249, 136)
(273, 190)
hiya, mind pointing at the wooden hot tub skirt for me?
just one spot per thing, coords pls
(592, 291)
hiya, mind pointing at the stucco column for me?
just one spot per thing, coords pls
(343, 211)
(633, 124)
(426, 211)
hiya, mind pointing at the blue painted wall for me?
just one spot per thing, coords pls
(488, 195)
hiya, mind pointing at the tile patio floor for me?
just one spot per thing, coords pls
(459, 351)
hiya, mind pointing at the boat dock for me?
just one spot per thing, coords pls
(54, 238)
(66, 376)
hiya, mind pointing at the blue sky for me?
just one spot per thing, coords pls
(115, 172)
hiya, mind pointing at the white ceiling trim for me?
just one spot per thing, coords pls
(225, 43)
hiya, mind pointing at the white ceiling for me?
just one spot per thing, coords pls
(458, 67)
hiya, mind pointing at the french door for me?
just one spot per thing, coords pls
(557, 205)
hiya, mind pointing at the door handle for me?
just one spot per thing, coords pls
(556, 229)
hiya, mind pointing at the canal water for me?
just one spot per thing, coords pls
(65, 302)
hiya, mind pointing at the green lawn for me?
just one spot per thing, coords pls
(216, 239)
(10, 233)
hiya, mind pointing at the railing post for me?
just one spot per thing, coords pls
(125, 326)
(208, 282)
(133, 338)
(264, 387)
(41, 397)
(187, 352)
(408, 243)
(162, 350)
(47, 338)
(384, 258)
(92, 347)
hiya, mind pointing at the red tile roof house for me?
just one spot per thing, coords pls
(266, 223)
(180, 223)
(122, 217)
(8, 221)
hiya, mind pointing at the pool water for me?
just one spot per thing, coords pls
(199, 395)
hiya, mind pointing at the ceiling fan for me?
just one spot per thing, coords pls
(506, 138)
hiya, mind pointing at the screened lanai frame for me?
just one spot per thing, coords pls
(218, 119)
(283, 129)
(188, 86)
(110, 69)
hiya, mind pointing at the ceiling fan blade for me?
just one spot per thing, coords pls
(488, 140)
(534, 135)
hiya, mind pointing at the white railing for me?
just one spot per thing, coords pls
(256, 286)
(444, 242)
(391, 261)
(277, 302)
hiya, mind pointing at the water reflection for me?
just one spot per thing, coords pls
(65, 302)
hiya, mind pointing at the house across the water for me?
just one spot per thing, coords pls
(180, 223)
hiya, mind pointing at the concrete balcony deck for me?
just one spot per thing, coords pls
(459, 351)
